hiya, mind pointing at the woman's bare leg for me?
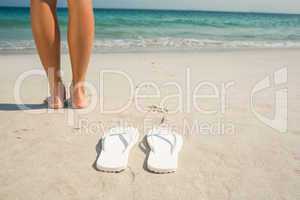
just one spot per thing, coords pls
(47, 38)
(80, 39)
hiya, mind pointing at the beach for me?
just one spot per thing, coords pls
(46, 154)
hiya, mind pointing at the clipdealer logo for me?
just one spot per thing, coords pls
(280, 119)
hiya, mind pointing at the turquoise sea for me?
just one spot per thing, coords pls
(155, 30)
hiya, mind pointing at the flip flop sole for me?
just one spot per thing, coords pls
(110, 161)
(162, 162)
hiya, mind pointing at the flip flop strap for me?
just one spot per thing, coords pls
(120, 135)
(173, 145)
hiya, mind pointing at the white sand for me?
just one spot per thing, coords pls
(43, 157)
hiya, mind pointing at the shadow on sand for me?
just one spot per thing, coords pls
(98, 151)
(15, 107)
(143, 145)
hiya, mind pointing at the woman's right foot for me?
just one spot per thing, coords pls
(58, 97)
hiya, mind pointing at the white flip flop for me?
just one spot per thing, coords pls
(116, 145)
(164, 148)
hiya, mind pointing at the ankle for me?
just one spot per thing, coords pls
(77, 87)
(57, 88)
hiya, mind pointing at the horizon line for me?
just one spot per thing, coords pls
(165, 9)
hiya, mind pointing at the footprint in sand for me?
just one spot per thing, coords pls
(154, 108)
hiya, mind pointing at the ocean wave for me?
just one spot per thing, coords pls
(21, 45)
(158, 44)
(189, 43)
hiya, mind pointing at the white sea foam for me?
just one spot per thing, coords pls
(157, 44)
(186, 43)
